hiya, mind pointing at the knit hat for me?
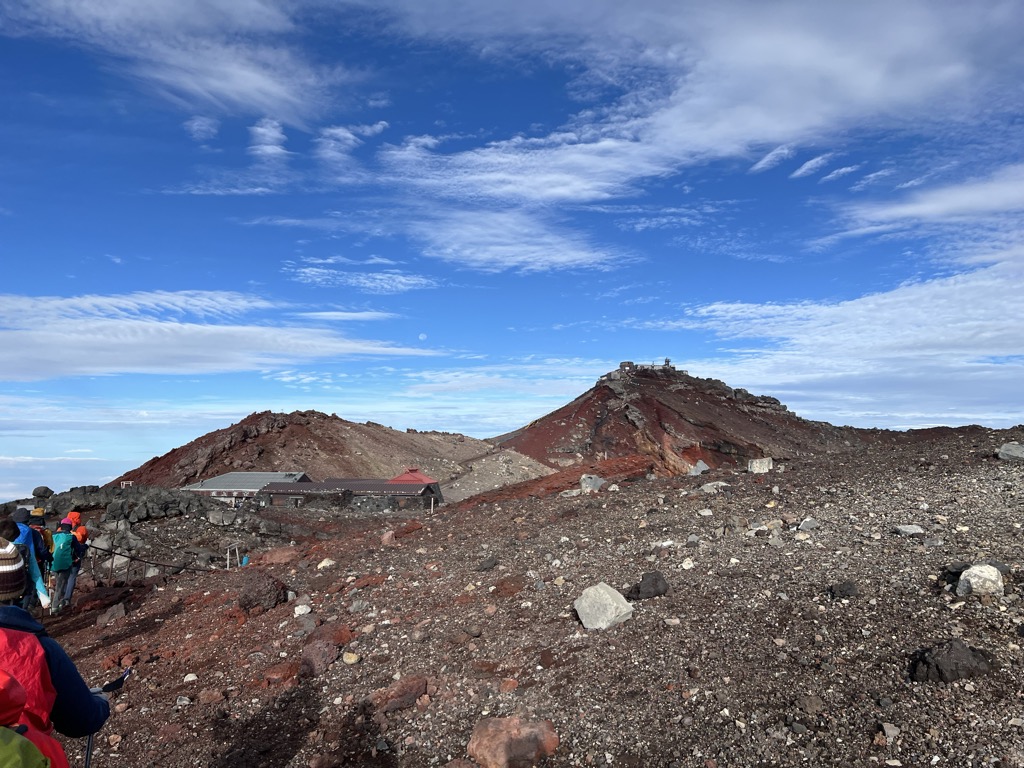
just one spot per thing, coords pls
(20, 515)
(12, 572)
(67, 521)
(38, 512)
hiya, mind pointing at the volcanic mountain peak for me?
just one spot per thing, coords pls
(318, 444)
(673, 418)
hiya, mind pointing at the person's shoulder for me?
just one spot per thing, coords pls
(13, 617)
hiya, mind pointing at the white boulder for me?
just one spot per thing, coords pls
(602, 606)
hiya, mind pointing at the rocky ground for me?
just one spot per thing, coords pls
(794, 614)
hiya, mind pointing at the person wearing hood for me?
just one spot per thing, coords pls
(31, 746)
(81, 534)
(26, 539)
(57, 698)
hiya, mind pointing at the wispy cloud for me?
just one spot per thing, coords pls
(202, 128)
(494, 241)
(341, 315)
(813, 165)
(838, 173)
(934, 339)
(225, 54)
(160, 332)
(1002, 192)
(379, 283)
(872, 178)
(267, 140)
(772, 159)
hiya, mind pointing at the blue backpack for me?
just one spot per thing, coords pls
(63, 552)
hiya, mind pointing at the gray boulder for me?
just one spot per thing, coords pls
(591, 483)
(602, 606)
(42, 492)
(980, 580)
(1011, 452)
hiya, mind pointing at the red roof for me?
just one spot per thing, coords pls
(412, 475)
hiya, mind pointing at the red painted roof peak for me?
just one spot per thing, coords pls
(412, 475)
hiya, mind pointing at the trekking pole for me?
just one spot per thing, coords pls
(113, 685)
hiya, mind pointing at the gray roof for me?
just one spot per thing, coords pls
(246, 481)
(358, 488)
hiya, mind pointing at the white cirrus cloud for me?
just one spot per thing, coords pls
(838, 173)
(380, 283)
(226, 54)
(202, 128)
(772, 159)
(160, 332)
(495, 241)
(813, 165)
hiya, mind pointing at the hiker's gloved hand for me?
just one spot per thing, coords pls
(44, 599)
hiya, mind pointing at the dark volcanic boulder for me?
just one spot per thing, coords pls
(950, 661)
(652, 584)
(260, 591)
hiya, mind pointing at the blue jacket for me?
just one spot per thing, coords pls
(77, 711)
(27, 537)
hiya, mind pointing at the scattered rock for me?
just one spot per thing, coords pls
(591, 483)
(112, 614)
(260, 591)
(715, 487)
(698, 469)
(910, 531)
(980, 580)
(601, 606)
(402, 694)
(317, 657)
(843, 589)
(1007, 452)
(759, 466)
(489, 563)
(652, 584)
(510, 742)
(950, 661)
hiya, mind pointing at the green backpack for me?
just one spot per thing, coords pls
(63, 553)
(16, 751)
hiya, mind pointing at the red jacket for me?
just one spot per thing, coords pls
(13, 698)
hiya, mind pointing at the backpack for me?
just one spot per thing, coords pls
(16, 751)
(63, 553)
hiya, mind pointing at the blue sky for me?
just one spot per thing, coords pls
(455, 214)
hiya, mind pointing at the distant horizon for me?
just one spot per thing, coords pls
(448, 214)
(27, 494)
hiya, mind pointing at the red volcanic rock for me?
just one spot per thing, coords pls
(673, 419)
(509, 742)
(285, 672)
(401, 694)
(318, 444)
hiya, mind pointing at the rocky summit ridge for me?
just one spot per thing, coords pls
(675, 419)
(635, 420)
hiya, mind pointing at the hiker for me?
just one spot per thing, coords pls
(25, 541)
(43, 541)
(82, 534)
(77, 527)
(78, 547)
(56, 695)
(65, 553)
(21, 745)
